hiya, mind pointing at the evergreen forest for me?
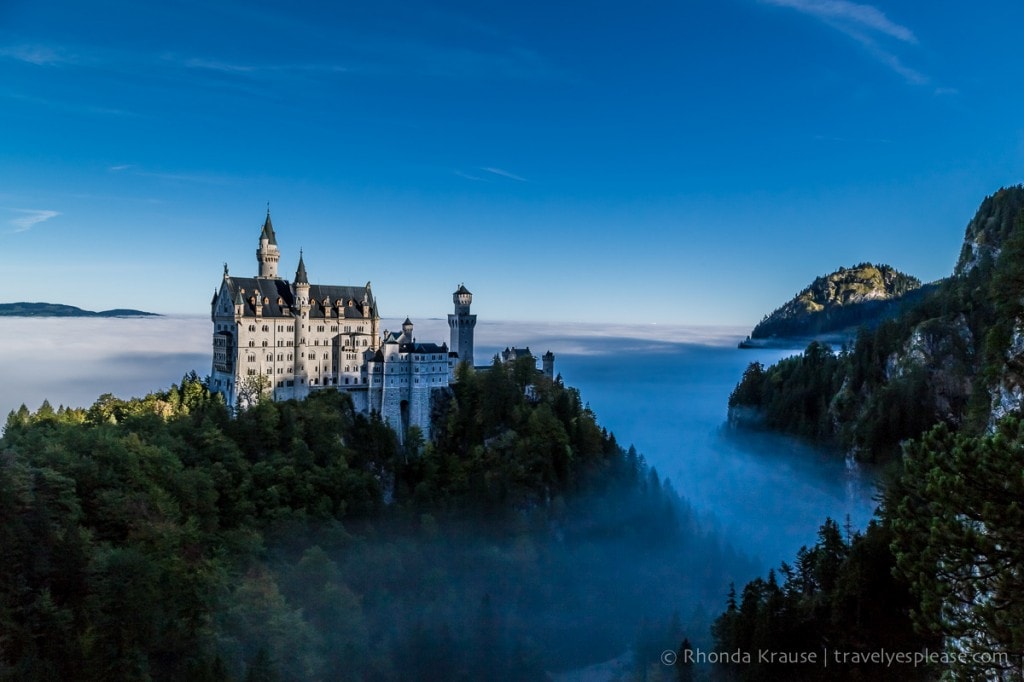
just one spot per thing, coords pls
(932, 396)
(162, 538)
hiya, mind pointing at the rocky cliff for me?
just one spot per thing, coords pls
(953, 352)
(849, 297)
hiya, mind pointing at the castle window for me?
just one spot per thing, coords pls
(280, 327)
(252, 327)
(269, 371)
(252, 344)
(280, 384)
(289, 357)
(264, 344)
(251, 372)
(266, 328)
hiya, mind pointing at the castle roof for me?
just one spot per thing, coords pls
(463, 290)
(278, 301)
(423, 348)
(268, 231)
(300, 274)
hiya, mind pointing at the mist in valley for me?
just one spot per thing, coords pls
(555, 588)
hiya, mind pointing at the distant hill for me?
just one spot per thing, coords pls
(848, 298)
(23, 309)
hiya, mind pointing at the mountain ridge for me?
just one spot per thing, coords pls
(838, 302)
(40, 309)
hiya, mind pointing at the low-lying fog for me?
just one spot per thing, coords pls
(662, 388)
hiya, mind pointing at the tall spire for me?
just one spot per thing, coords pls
(267, 254)
(300, 274)
(268, 229)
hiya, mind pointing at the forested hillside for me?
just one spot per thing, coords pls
(160, 538)
(863, 295)
(936, 392)
(955, 356)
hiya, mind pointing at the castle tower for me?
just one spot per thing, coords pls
(462, 324)
(301, 286)
(548, 362)
(407, 331)
(267, 254)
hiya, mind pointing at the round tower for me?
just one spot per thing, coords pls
(267, 254)
(461, 324)
(407, 330)
(548, 362)
(301, 286)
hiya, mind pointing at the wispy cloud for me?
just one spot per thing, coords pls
(469, 176)
(866, 24)
(40, 55)
(31, 218)
(236, 68)
(850, 14)
(504, 173)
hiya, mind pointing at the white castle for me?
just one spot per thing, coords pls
(286, 339)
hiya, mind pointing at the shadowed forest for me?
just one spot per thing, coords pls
(162, 538)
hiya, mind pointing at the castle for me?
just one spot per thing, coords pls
(286, 339)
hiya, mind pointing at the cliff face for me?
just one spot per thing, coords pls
(848, 297)
(995, 220)
(953, 352)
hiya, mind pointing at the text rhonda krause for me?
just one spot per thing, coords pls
(828, 657)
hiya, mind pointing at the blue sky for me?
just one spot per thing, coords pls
(687, 162)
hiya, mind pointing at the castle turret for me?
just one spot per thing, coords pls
(461, 324)
(267, 255)
(300, 289)
(407, 331)
(548, 362)
(301, 285)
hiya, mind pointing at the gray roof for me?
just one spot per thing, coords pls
(463, 290)
(421, 348)
(271, 290)
(300, 274)
(268, 230)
